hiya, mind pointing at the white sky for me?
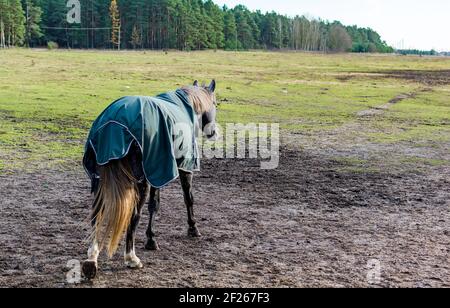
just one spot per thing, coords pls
(422, 24)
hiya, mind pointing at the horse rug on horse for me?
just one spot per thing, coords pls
(163, 127)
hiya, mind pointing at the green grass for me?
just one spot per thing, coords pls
(423, 118)
(50, 98)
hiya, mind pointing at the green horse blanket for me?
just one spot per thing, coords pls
(163, 127)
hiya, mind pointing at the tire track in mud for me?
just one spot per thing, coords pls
(379, 110)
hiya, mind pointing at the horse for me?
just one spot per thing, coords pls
(128, 169)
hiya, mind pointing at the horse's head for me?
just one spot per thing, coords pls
(203, 99)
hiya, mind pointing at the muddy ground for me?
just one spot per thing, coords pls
(308, 223)
(424, 77)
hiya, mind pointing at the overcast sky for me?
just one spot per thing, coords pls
(422, 24)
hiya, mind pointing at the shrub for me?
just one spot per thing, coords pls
(52, 45)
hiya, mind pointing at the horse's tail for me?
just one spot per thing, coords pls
(114, 204)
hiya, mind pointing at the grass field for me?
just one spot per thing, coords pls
(49, 98)
(364, 170)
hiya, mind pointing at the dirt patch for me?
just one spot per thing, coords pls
(401, 97)
(348, 76)
(7, 115)
(304, 224)
(426, 77)
(381, 109)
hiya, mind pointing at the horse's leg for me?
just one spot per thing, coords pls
(90, 266)
(131, 260)
(153, 208)
(186, 183)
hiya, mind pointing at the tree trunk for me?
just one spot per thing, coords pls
(2, 34)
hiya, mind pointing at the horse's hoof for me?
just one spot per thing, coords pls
(193, 232)
(152, 245)
(134, 264)
(89, 269)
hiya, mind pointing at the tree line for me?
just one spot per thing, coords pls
(175, 24)
(417, 52)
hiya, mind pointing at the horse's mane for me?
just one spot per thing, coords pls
(202, 100)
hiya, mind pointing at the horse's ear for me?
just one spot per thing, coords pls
(196, 83)
(212, 86)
